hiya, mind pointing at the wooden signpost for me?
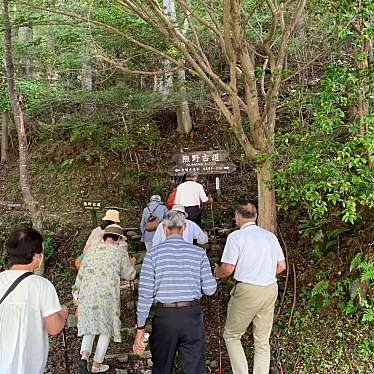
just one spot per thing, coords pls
(93, 206)
(202, 162)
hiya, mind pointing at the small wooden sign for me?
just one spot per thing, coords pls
(92, 205)
(10, 205)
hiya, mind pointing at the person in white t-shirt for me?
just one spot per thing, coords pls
(191, 195)
(191, 231)
(255, 257)
(31, 311)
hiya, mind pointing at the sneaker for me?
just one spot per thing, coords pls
(101, 369)
(83, 366)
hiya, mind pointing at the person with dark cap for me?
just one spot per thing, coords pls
(152, 215)
(97, 291)
(191, 195)
(30, 310)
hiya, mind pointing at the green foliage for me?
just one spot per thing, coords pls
(321, 288)
(327, 172)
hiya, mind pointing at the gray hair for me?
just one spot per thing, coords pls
(174, 220)
(247, 210)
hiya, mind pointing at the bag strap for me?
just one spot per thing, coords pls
(15, 284)
(152, 212)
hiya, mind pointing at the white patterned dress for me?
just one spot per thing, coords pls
(98, 285)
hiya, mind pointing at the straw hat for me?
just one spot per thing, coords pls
(114, 229)
(112, 215)
(179, 208)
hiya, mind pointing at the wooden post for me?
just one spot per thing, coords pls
(94, 218)
(4, 137)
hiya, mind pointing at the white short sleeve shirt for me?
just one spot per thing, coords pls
(255, 252)
(23, 338)
(190, 193)
(191, 232)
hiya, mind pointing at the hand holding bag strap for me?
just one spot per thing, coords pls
(15, 284)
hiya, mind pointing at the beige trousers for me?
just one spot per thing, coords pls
(250, 303)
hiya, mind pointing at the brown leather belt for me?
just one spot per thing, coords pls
(178, 304)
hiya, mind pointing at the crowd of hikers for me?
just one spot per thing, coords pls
(175, 274)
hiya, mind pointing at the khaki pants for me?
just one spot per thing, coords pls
(250, 303)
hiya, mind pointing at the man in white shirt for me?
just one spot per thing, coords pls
(31, 311)
(191, 231)
(255, 257)
(191, 195)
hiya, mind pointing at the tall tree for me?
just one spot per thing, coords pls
(4, 137)
(29, 200)
(251, 117)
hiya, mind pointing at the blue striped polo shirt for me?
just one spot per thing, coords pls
(172, 271)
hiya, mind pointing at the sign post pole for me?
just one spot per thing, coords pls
(218, 188)
(93, 206)
(94, 218)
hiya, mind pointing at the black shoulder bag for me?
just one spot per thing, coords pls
(15, 284)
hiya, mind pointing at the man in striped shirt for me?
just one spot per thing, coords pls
(175, 274)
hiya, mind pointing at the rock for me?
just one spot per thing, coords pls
(123, 358)
(358, 289)
(72, 321)
(121, 371)
(224, 232)
(213, 364)
(140, 356)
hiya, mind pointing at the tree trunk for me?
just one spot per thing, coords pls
(166, 84)
(183, 111)
(86, 80)
(267, 216)
(4, 137)
(31, 204)
(25, 34)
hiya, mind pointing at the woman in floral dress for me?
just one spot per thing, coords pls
(98, 293)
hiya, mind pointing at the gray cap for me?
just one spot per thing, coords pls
(191, 174)
(156, 198)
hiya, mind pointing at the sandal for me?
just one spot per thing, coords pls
(101, 369)
(83, 366)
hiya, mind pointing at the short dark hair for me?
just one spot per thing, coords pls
(247, 209)
(104, 224)
(23, 243)
(112, 236)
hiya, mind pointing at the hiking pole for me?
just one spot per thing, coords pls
(64, 342)
(133, 291)
(219, 331)
(211, 209)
